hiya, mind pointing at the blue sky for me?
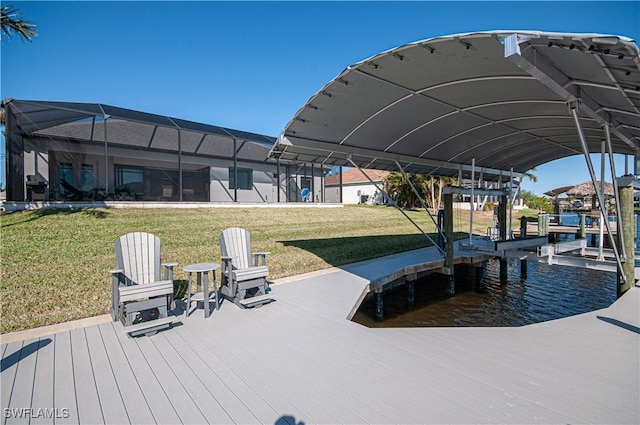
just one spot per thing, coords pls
(252, 65)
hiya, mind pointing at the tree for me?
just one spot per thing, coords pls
(429, 187)
(529, 174)
(537, 202)
(11, 22)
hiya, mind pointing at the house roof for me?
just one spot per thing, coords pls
(85, 122)
(500, 99)
(582, 189)
(354, 176)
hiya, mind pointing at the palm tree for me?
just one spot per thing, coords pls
(429, 187)
(401, 192)
(12, 23)
(529, 174)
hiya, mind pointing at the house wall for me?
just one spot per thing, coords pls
(350, 192)
(41, 157)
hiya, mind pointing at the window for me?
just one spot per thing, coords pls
(245, 178)
(127, 175)
(87, 178)
(129, 182)
(65, 172)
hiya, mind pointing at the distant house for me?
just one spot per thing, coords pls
(79, 152)
(356, 188)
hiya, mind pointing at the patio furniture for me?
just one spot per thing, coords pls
(36, 188)
(244, 274)
(202, 269)
(141, 296)
(72, 193)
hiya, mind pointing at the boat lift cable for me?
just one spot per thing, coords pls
(422, 203)
(573, 108)
(395, 204)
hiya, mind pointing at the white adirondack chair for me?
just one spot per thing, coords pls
(244, 274)
(138, 287)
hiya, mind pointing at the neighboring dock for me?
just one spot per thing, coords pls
(299, 360)
(556, 229)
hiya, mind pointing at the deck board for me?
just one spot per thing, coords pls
(310, 376)
(87, 400)
(224, 379)
(299, 360)
(187, 410)
(111, 400)
(21, 394)
(287, 385)
(10, 361)
(64, 387)
(249, 373)
(194, 378)
(156, 397)
(43, 382)
(135, 402)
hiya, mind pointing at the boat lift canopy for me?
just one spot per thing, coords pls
(496, 103)
(499, 97)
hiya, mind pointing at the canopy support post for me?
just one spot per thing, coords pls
(406, 178)
(573, 108)
(278, 180)
(616, 192)
(105, 117)
(106, 158)
(511, 198)
(340, 196)
(472, 206)
(180, 159)
(603, 215)
(235, 170)
(395, 204)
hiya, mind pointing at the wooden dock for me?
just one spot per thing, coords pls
(532, 229)
(299, 360)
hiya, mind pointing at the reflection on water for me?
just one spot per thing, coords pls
(549, 292)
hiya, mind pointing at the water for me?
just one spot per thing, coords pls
(549, 292)
(572, 219)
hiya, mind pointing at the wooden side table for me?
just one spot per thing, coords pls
(201, 269)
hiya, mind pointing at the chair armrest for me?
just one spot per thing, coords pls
(116, 275)
(262, 256)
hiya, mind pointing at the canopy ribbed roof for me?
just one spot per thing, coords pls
(499, 97)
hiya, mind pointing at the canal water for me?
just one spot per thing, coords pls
(548, 292)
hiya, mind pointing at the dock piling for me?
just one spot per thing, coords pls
(410, 294)
(523, 235)
(379, 305)
(450, 289)
(503, 270)
(449, 259)
(626, 230)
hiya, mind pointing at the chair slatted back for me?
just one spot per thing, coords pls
(138, 255)
(236, 242)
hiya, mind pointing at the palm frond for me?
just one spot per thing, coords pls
(11, 22)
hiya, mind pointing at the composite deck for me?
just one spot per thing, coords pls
(298, 360)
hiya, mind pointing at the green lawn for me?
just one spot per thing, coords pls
(55, 262)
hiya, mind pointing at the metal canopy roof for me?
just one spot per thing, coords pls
(500, 97)
(133, 129)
